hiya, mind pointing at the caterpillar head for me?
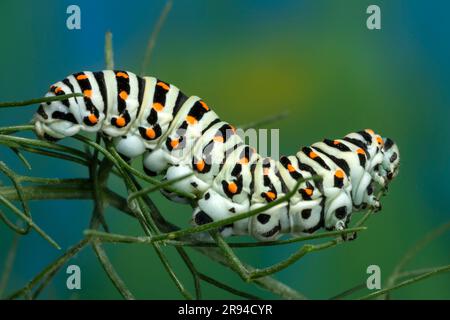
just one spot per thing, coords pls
(391, 160)
(54, 120)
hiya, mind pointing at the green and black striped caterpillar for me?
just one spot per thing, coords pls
(178, 135)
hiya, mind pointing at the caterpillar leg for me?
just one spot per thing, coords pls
(129, 146)
(214, 207)
(306, 216)
(155, 161)
(190, 184)
(269, 225)
(337, 210)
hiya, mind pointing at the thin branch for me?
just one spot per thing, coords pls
(267, 283)
(192, 269)
(229, 220)
(80, 190)
(225, 287)
(157, 187)
(30, 222)
(120, 238)
(50, 269)
(109, 53)
(39, 100)
(154, 36)
(111, 272)
(349, 291)
(22, 158)
(9, 262)
(378, 293)
(414, 250)
(265, 121)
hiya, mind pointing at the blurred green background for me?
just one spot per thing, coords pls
(248, 60)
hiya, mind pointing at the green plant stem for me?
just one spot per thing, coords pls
(17, 185)
(51, 268)
(81, 190)
(192, 269)
(38, 100)
(30, 222)
(9, 262)
(157, 187)
(223, 222)
(111, 272)
(13, 141)
(22, 158)
(109, 53)
(413, 251)
(265, 121)
(270, 284)
(349, 291)
(119, 238)
(154, 36)
(13, 129)
(378, 293)
(225, 287)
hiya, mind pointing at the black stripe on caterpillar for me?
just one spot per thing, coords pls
(178, 135)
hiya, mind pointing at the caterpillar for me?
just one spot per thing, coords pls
(178, 135)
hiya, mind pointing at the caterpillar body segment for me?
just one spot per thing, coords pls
(179, 135)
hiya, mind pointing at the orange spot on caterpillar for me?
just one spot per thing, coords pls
(174, 143)
(335, 142)
(87, 93)
(218, 139)
(204, 105)
(360, 151)
(158, 106)
(232, 187)
(313, 155)
(290, 168)
(120, 121)
(271, 195)
(123, 95)
(370, 131)
(200, 165)
(121, 75)
(243, 160)
(266, 171)
(339, 174)
(191, 120)
(82, 77)
(379, 140)
(163, 85)
(150, 133)
(58, 89)
(309, 191)
(92, 118)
